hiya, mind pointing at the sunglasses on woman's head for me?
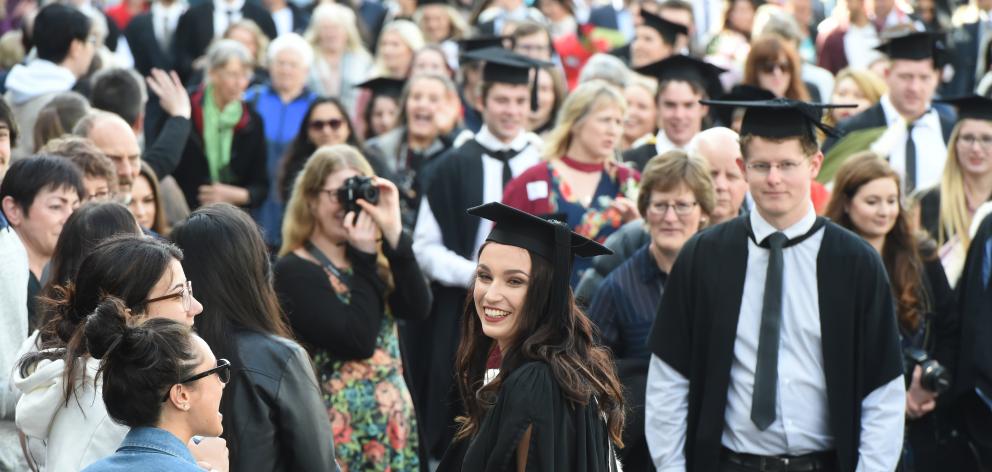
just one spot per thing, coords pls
(334, 123)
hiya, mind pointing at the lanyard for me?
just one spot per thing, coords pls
(326, 262)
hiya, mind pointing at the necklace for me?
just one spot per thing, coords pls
(583, 166)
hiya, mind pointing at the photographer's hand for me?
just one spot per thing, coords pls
(386, 214)
(919, 401)
(362, 232)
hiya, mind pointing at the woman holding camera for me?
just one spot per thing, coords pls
(867, 200)
(342, 290)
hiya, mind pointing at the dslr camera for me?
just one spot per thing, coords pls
(934, 377)
(357, 187)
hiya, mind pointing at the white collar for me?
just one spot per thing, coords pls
(223, 6)
(175, 9)
(892, 115)
(762, 228)
(489, 141)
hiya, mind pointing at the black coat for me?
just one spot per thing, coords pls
(273, 408)
(696, 328)
(248, 158)
(145, 48)
(195, 31)
(874, 117)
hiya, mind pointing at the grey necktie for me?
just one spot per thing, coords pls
(910, 159)
(766, 371)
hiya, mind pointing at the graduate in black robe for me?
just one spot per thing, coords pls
(699, 326)
(555, 403)
(704, 80)
(446, 241)
(974, 373)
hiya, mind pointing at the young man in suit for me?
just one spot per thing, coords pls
(919, 143)
(203, 23)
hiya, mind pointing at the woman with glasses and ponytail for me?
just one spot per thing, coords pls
(60, 402)
(162, 381)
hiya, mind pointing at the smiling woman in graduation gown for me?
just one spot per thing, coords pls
(555, 403)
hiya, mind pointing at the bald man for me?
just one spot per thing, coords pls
(116, 139)
(720, 147)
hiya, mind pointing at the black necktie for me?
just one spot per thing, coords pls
(910, 159)
(504, 156)
(766, 371)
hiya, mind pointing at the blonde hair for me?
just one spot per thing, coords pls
(459, 27)
(299, 222)
(585, 99)
(261, 40)
(410, 35)
(954, 216)
(342, 17)
(870, 85)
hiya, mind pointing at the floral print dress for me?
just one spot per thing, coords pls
(368, 401)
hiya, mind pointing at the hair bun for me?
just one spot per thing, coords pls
(106, 327)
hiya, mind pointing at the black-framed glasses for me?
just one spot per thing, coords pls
(223, 371)
(680, 208)
(186, 293)
(771, 67)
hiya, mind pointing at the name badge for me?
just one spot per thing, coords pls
(537, 190)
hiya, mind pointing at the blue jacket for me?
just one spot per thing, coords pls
(148, 450)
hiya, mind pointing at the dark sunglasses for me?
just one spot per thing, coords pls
(223, 371)
(334, 123)
(771, 67)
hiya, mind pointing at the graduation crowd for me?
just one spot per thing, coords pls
(570, 235)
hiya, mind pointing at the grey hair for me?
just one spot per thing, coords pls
(606, 67)
(292, 42)
(223, 51)
(716, 132)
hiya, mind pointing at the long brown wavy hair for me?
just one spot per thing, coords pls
(583, 369)
(901, 254)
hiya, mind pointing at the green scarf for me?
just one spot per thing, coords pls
(218, 133)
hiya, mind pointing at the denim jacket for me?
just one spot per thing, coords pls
(148, 450)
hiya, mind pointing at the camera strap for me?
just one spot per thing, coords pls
(326, 263)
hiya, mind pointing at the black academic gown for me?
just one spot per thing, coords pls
(974, 367)
(639, 156)
(566, 436)
(453, 183)
(697, 319)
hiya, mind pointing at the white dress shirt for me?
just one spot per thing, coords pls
(931, 151)
(443, 265)
(662, 144)
(221, 20)
(801, 424)
(284, 21)
(165, 19)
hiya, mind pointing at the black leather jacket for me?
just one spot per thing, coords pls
(279, 422)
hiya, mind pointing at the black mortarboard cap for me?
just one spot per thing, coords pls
(780, 117)
(974, 107)
(914, 46)
(421, 3)
(668, 30)
(740, 92)
(689, 69)
(384, 86)
(474, 44)
(508, 67)
(550, 239)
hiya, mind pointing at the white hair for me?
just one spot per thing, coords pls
(711, 134)
(223, 51)
(292, 42)
(605, 67)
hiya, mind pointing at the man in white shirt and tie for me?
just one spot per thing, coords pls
(775, 346)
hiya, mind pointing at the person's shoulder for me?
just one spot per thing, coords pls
(842, 242)
(292, 264)
(871, 117)
(530, 379)
(265, 353)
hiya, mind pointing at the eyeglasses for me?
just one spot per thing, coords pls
(764, 168)
(334, 123)
(681, 208)
(332, 193)
(984, 141)
(223, 371)
(186, 293)
(771, 67)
